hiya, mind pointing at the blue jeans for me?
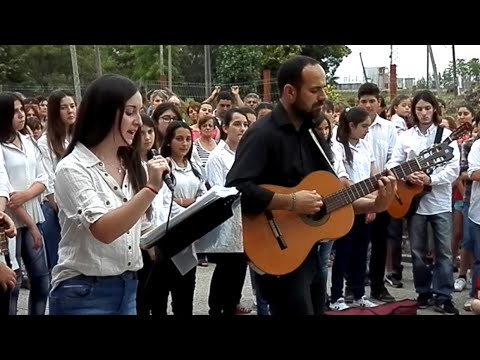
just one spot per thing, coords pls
(440, 282)
(36, 265)
(468, 242)
(51, 234)
(262, 304)
(95, 295)
(319, 285)
(474, 231)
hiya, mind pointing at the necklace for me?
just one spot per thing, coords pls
(119, 167)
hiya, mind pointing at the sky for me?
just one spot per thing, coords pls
(411, 60)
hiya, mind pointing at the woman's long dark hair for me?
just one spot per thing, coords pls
(104, 101)
(7, 112)
(166, 149)
(318, 120)
(354, 115)
(56, 129)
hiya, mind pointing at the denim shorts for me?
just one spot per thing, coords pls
(458, 205)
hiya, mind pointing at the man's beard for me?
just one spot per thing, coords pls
(305, 114)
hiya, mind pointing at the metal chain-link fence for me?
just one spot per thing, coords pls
(186, 91)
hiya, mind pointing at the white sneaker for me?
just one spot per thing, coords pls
(364, 302)
(339, 305)
(468, 304)
(460, 284)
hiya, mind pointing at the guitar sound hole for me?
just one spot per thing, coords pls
(319, 215)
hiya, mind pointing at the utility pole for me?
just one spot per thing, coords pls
(208, 70)
(205, 67)
(162, 67)
(76, 77)
(393, 75)
(455, 79)
(169, 50)
(435, 73)
(363, 67)
(98, 60)
(428, 67)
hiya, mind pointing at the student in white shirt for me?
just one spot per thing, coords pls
(189, 185)
(227, 252)
(148, 140)
(7, 274)
(382, 136)
(318, 289)
(27, 179)
(355, 152)
(435, 208)
(102, 193)
(400, 111)
(62, 111)
(474, 218)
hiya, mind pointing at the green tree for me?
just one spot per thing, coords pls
(10, 69)
(191, 63)
(422, 83)
(474, 69)
(142, 62)
(245, 63)
(275, 55)
(329, 56)
(237, 64)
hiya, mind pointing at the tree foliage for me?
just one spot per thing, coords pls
(237, 64)
(330, 56)
(50, 66)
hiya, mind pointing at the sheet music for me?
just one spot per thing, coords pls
(216, 192)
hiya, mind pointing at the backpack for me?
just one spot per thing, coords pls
(401, 307)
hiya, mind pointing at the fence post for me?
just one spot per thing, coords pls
(266, 86)
(163, 81)
(393, 81)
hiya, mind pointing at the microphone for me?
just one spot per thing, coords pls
(167, 179)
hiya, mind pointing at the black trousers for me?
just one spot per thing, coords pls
(378, 257)
(395, 238)
(291, 294)
(227, 282)
(143, 299)
(166, 279)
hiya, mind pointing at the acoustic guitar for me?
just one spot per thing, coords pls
(277, 242)
(408, 195)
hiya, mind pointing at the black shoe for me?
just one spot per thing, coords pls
(425, 300)
(391, 280)
(446, 307)
(382, 295)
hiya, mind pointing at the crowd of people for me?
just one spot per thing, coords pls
(79, 185)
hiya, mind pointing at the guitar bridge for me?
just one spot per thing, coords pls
(276, 230)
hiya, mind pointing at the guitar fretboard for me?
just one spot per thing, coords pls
(356, 191)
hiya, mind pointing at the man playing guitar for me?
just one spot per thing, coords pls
(280, 151)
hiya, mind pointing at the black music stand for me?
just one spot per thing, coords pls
(186, 232)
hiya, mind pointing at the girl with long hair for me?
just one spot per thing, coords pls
(103, 194)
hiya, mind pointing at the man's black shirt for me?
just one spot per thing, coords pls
(273, 152)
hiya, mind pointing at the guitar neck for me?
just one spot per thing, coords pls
(358, 190)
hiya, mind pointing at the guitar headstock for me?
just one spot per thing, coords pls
(435, 156)
(465, 128)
